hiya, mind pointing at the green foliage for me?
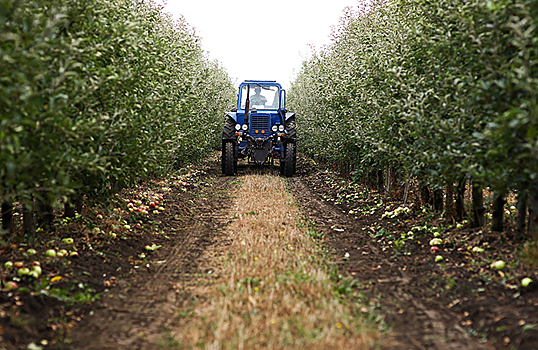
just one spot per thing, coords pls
(96, 95)
(437, 89)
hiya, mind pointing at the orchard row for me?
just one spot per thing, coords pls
(442, 92)
(96, 95)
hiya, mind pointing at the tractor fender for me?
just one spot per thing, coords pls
(228, 133)
(290, 126)
(289, 115)
(232, 115)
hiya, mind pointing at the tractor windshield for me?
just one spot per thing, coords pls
(261, 96)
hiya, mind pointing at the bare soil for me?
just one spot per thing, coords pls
(457, 304)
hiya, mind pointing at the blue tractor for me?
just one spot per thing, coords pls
(260, 129)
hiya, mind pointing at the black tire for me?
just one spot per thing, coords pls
(229, 129)
(290, 127)
(228, 134)
(290, 161)
(229, 163)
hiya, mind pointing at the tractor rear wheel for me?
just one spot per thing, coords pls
(229, 163)
(290, 161)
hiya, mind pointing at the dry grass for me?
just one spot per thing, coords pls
(271, 288)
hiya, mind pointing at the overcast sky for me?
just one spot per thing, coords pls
(261, 39)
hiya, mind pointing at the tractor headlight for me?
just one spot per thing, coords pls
(274, 128)
(237, 127)
(245, 127)
(281, 127)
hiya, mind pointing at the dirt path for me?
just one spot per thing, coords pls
(138, 312)
(421, 305)
(387, 286)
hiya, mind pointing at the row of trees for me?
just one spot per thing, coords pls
(96, 95)
(441, 91)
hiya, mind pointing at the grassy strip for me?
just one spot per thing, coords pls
(271, 286)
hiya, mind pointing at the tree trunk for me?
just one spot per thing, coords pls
(388, 182)
(533, 215)
(7, 217)
(28, 224)
(438, 199)
(45, 213)
(478, 205)
(72, 206)
(425, 195)
(460, 196)
(406, 191)
(450, 208)
(498, 213)
(521, 223)
(69, 210)
(380, 181)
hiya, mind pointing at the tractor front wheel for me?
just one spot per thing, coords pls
(229, 163)
(290, 161)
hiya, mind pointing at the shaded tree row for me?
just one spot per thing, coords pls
(443, 92)
(96, 95)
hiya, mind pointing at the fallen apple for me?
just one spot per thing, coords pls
(73, 254)
(18, 264)
(51, 253)
(36, 271)
(498, 265)
(438, 258)
(8, 265)
(68, 241)
(11, 285)
(31, 251)
(434, 249)
(153, 247)
(478, 250)
(23, 271)
(436, 241)
(526, 281)
(62, 253)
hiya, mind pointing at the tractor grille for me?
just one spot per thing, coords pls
(260, 122)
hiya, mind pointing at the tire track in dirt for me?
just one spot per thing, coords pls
(137, 314)
(393, 291)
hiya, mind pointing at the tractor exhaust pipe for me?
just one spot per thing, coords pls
(247, 105)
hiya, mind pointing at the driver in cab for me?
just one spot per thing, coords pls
(258, 99)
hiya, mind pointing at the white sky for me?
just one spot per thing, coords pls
(261, 39)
